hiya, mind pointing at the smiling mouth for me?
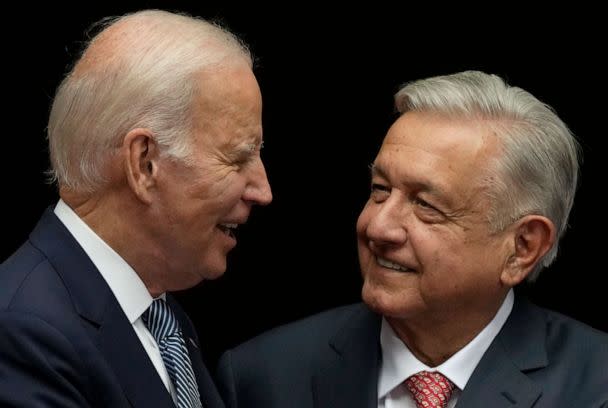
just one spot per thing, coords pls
(392, 265)
(228, 229)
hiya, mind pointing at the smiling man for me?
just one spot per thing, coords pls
(154, 138)
(470, 194)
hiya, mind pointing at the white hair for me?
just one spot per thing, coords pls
(136, 73)
(537, 172)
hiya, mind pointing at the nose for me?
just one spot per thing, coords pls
(258, 190)
(385, 223)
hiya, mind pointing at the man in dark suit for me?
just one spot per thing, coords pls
(470, 194)
(155, 139)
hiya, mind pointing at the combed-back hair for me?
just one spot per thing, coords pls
(138, 72)
(537, 170)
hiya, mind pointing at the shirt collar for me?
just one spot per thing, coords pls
(398, 362)
(125, 284)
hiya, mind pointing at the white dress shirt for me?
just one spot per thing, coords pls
(129, 290)
(398, 362)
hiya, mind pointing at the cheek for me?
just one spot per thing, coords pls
(445, 266)
(230, 190)
(436, 253)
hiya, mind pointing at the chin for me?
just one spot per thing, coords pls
(211, 265)
(215, 275)
(384, 303)
(375, 298)
(201, 274)
(213, 272)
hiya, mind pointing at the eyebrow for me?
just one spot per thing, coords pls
(244, 148)
(376, 171)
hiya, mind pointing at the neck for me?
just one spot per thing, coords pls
(433, 340)
(119, 223)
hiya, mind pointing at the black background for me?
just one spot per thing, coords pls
(327, 78)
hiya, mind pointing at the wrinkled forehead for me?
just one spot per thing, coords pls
(228, 108)
(224, 88)
(431, 146)
(442, 135)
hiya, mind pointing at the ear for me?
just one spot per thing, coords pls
(141, 163)
(534, 236)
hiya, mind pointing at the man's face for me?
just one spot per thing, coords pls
(425, 248)
(202, 201)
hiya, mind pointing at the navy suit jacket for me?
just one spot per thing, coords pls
(539, 359)
(65, 341)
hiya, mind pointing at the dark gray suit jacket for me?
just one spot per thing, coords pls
(65, 341)
(539, 359)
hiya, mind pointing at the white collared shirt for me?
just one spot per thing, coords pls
(125, 284)
(398, 362)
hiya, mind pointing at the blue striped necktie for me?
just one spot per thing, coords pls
(164, 327)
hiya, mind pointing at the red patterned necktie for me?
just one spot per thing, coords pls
(430, 390)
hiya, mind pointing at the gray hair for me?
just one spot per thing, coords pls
(538, 170)
(136, 73)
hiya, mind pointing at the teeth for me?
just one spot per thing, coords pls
(228, 228)
(391, 265)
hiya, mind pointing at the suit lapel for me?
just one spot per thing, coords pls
(210, 396)
(124, 351)
(500, 378)
(349, 377)
(107, 324)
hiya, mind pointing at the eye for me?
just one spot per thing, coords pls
(379, 192)
(245, 154)
(379, 187)
(241, 161)
(422, 203)
(427, 212)
(244, 158)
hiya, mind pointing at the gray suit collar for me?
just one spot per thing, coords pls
(350, 375)
(348, 379)
(500, 378)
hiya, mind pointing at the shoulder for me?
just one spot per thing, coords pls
(27, 274)
(310, 332)
(34, 297)
(566, 335)
(301, 343)
(569, 352)
(577, 357)
(275, 368)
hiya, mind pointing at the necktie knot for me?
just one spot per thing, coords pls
(165, 329)
(430, 389)
(161, 321)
